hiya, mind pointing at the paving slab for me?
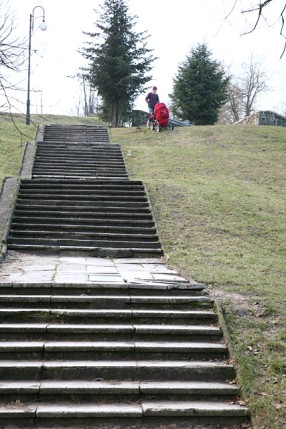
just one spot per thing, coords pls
(30, 268)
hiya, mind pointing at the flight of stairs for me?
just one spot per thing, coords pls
(80, 199)
(104, 218)
(114, 356)
(141, 354)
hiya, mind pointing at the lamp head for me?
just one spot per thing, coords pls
(43, 25)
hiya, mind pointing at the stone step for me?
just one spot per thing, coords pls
(146, 415)
(110, 316)
(39, 220)
(81, 168)
(79, 165)
(84, 193)
(75, 207)
(115, 212)
(156, 388)
(20, 220)
(32, 226)
(101, 195)
(95, 175)
(109, 301)
(66, 212)
(106, 350)
(77, 158)
(51, 141)
(83, 237)
(167, 284)
(84, 184)
(59, 156)
(80, 241)
(144, 370)
(71, 139)
(87, 190)
(69, 332)
(79, 144)
(100, 252)
(83, 202)
(79, 147)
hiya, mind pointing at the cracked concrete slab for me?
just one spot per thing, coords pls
(24, 267)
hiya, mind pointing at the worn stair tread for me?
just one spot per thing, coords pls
(78, 212)
(83, 234)
(192, 408)
(5, 364)
(91, 175)
(181, 314)
(117, 386)
(118, 328)
(101, 251)
(83, 226)
(93, 215)
(84, 244)
(88, 184)
(106, 298)
(110, 346)
(120, 409)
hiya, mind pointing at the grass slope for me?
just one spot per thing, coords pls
(219, 198)
(218, 195)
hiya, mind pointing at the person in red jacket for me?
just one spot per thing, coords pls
(152, 99)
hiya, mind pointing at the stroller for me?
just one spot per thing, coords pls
(160, 118)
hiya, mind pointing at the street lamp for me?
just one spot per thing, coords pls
(43, 27)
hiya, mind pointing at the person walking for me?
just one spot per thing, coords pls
(151, 99)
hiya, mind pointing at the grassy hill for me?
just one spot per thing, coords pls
(219, 198)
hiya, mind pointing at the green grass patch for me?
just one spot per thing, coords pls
(219, 198)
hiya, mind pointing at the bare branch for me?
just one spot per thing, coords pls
(259, 8)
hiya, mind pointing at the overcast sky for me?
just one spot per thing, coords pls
(174, 28)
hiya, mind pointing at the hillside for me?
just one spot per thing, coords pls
(218, 195)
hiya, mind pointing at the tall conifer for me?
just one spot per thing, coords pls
(200, 88)
(118, 60)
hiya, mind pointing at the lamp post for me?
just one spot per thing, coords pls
(43, 27)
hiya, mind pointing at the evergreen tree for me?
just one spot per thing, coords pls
(118, 61)
(200, 88)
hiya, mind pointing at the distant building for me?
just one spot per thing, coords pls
(264, 117)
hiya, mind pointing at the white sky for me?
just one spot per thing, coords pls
(174, 28)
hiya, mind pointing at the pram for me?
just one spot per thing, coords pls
(160, 118)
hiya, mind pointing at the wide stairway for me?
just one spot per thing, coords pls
(80, 199)
(107, 355)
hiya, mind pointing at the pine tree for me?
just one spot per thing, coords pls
(118, 61)
(200, 88)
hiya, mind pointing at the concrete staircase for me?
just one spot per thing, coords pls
(114, 356)
(104, 218)
(104, 354)
(80, 199)
(78, 152)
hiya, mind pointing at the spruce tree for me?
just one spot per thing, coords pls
(200, 88)
(118, 60)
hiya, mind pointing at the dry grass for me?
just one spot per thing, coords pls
(218, 195)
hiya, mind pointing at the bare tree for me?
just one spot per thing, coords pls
(12, 57)
(252, 82)
(234, 108)
(243, 91)
(88, 103)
